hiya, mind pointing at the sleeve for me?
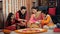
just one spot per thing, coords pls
(42, 16)
(27, 16)
(47, 20)
(17, 16)
(32, 19)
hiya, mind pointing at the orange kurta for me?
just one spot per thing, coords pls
(46, 21)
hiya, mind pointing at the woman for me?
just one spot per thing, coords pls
(10, 22)
(36, 16)
(46, 20)
(22, 16)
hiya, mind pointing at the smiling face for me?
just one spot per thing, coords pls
(12, 17)
(34, 11)
(44, 16)
(23, 11)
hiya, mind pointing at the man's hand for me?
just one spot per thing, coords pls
(20, 19)
(24, 20)
(13, 25)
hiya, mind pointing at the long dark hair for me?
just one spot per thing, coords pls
(9, 18)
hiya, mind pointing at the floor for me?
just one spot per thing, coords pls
(49, 32)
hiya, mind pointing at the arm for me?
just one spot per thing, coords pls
(47, 20)
(32, 19)
(17, 17)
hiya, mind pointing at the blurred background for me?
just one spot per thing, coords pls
(7, 6)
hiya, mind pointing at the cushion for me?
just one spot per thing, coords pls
(52, 11)
(56, 29)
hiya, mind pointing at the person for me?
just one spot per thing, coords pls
(22, 16)
(36, 16)
(46, 20)
(10, 22)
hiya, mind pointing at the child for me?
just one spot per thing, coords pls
(10, 22)
(36, 16)
(47, 20)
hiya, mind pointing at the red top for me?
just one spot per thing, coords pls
(17, 16)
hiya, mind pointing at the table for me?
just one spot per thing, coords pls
(30, 31)
(49, 32)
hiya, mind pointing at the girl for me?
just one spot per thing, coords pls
(47, 20)
(36, 16)
(10, 22)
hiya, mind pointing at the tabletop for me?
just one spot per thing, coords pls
(49, 32)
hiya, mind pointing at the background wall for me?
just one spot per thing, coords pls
(1, 15)
(14, 5)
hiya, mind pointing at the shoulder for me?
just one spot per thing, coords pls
(18, 11)
(48, 15)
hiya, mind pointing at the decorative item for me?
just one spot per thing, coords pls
(6, 31)
(31, 31)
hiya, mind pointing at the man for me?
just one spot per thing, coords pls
(22, 16)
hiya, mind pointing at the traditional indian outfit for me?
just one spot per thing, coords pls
(33, 18)
(10, 25)
(47, 21)
(25, 16)
(19, 15)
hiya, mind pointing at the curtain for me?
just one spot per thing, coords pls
(14, 5)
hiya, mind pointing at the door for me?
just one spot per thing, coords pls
(58, 7)
(1, 15)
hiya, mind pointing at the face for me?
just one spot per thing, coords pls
(34, 11)
(12, 17)
(39, 11)
(44, 15)
(23, 11)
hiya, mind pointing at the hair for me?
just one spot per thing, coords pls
(9, 18)
(23, 7)
(34, 8)
(44, 11)
(39, 10)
